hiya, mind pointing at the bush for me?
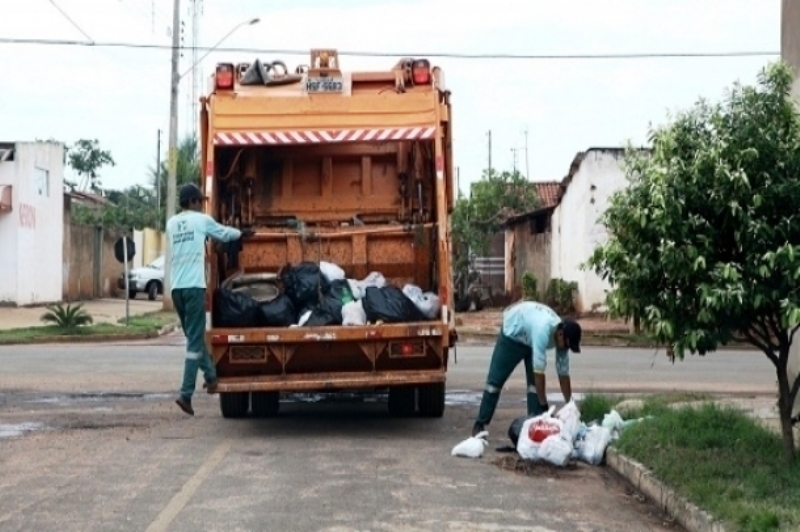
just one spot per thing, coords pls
(67, 317)
(560, 295)
(529, 287)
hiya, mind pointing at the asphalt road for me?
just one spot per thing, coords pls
(90, 440)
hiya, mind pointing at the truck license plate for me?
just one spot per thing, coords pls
(317, 85)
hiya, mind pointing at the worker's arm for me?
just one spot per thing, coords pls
(539, 347)
(219, 232)
(562, 368)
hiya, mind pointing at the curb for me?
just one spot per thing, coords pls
(686, 513)
(591, 340)
(96, 338)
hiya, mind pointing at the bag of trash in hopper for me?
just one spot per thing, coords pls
(390, 305)
(427, 302)
(329, 310)
(279, 312)
(234, 309)
(304, 284)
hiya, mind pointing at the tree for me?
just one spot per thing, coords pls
(475, 219)
(188, 171)
(704, 244)
(86, 158)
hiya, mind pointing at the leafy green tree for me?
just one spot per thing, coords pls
(475, 219)
(188, 171)
(86, 158)
(704, 244)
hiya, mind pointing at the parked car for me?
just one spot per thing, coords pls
(149, 279)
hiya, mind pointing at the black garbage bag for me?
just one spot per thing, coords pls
(304, 283)
(391, 305)
(234, 309)
(516, 428)
(329, 311)
(277, 313)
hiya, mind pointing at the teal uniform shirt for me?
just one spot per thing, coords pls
(533, 325)
(186, 234)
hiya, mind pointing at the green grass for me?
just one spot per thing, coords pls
(594, 406)
(140, 324)
(723, 461)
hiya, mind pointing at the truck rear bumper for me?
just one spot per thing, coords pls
(328, 381)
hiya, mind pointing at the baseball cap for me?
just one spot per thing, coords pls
(572, 335)
(190, 192)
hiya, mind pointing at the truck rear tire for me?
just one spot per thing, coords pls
(402, 401)
(265, 404)
(431, 399)
(234, 405)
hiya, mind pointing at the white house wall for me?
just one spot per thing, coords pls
(35, 260)
(576, 228)
(8, 237)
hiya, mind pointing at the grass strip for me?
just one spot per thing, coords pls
(140, 324)
(717, 457)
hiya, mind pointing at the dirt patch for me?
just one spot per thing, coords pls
(533, 468)
(491, 319)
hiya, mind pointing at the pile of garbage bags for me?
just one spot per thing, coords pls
(315, 295)
(555, 439)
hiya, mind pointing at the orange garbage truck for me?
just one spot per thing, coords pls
(342, 181)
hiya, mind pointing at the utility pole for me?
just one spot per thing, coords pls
(489, 134)
(514, 154)
(790, 41)
(172, 165)
(527, 166)
(158, 181)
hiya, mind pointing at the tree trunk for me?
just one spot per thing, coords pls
(785, 405)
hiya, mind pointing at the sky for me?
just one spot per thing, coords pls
(120, 96)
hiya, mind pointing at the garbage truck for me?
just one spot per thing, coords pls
(342, 182)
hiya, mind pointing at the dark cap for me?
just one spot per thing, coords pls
(190, 192)
(572, 335)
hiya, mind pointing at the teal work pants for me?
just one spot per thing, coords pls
(190, 304)
(506, 357)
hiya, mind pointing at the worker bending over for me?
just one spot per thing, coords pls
(529, 329)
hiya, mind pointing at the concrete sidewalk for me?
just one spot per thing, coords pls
(102, 310)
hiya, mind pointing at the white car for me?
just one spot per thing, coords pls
(149, 279)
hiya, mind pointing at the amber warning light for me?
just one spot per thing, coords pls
(224, 76)
(421, 72)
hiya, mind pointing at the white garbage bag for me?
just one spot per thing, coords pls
(556, 449)
(353, 313)
(331, 271)
(592, 447)
(357, 288)
(534, 431)
(304, 318)
(427, 302)
(570, 416)
(612, 421)
(472, 447)
(375, 279)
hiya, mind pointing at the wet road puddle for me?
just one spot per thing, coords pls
(18, 429)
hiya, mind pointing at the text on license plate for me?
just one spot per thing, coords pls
(324, 85)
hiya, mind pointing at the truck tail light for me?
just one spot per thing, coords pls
(421, 72)
(408, 348)
(224, 76)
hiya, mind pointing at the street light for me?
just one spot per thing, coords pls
(173, 135)
(245, 23)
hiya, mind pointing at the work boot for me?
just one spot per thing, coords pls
(185, 405)
(477, 428)
(211, 387)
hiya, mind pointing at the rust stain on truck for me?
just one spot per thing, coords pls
(350, 167)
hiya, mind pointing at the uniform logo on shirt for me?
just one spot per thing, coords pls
(182, 234)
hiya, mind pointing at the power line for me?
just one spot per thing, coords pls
(74, 24)
(450, 55)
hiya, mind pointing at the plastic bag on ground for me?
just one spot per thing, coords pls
(389, 304)
(515, 428)
(556, 449)
(331, 271)
(276, 313)
(353, 314)
(427, 302)
(591, 448)
(612, 421)
(534, 431)
(234, 309)
(570, 416)
(304, 283)
(472, 447)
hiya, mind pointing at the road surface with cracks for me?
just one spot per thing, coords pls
(91, 440)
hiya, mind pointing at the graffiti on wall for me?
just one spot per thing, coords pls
(27, 216)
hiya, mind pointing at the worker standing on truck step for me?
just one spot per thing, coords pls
(186, 235)
(529, 329)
